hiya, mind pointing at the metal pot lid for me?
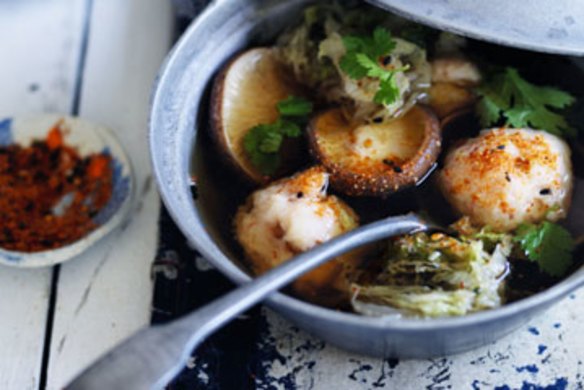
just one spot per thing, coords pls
(539, 25)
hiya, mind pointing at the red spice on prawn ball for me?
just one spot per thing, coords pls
(506, 177)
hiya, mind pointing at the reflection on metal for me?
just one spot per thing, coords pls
(539, 25)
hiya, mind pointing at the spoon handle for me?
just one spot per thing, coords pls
(153, 356)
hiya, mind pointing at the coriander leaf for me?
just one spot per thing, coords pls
(362, 60)
(488, 110)
(521, 104)
(266, 163)
(351, 66)
(552, 122)
(290, 129)
(380, 44)
(258, 138)
(383, 42)
(271, 142)
(252, 139)
(548, 244)
(294, 106)
(262, 143)
(388, 92)
(353, 43)
(253, 142)
(372, 67)
(535, 95)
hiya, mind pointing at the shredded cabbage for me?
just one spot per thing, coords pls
(439, 275)
(314, 49)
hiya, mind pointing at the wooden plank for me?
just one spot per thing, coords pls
(40, 47)
(105, 295)
(547, 353)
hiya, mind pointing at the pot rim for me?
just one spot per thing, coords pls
(199, 237)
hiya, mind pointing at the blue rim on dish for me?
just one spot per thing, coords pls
(87, 138)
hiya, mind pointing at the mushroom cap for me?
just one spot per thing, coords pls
(375, 159)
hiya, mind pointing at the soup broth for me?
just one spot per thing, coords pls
(220, 191)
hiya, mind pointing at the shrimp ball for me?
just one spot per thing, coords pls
(294, 215)
(506, 177)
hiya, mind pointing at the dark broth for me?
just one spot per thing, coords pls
(220, 191)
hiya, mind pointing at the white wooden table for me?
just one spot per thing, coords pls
(98, 59)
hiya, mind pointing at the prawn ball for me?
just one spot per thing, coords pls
(294, 215)
(506, 177)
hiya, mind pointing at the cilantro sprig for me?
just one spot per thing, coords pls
(362, 59)
(548, 244)
(519, 103)
(263, 142)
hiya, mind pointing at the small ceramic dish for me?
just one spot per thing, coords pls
(86, 138)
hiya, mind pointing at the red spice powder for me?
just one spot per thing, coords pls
(49, 193)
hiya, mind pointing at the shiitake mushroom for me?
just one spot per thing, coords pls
(245, 94)
(375, 159)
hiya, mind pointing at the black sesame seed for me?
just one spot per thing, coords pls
(501, 147)
(545, 191)
(386, 60)
(378, 120)
(507, 177)
(194, 192)
(397, 169)
(299, 195)
(194, 188)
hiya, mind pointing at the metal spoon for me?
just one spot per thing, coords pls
(153, 356)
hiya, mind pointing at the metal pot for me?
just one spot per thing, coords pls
(178, 114)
